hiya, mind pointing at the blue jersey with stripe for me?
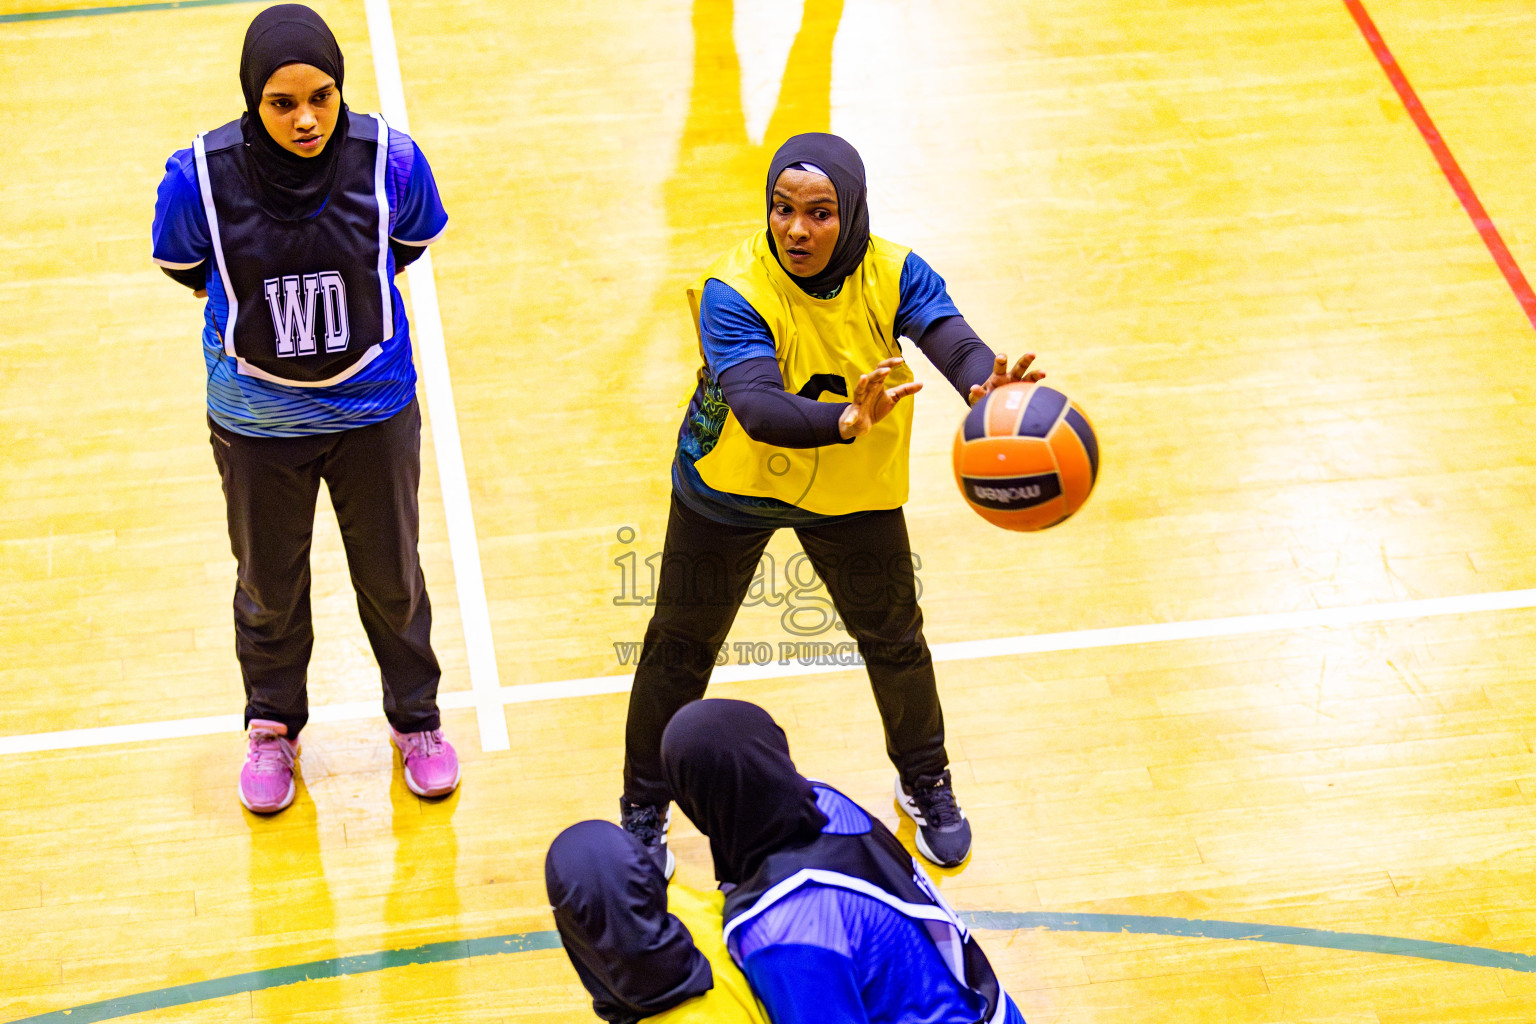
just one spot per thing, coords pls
(831, 955)
(256, 407)
(731, 332)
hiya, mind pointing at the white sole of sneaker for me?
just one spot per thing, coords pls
(292, 790)
(410, 784)
(909, 808)
(922, 848)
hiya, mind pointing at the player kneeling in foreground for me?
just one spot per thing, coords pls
(641, 955)
(829, 916)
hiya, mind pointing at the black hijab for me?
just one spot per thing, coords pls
(287, 185)
(610, 904)
(727, 764)
(840, 162)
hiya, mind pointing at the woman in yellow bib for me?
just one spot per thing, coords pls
(643, 950)
(798, 420)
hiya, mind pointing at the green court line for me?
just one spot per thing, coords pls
(277, 977)
(1419, 949)
(91, 12)
(463, 949)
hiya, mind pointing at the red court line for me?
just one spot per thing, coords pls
(1453, 174)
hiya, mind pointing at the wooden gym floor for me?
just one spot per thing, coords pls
(1247, 740)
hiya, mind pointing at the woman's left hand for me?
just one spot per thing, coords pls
(872, 401)
(1002, 375)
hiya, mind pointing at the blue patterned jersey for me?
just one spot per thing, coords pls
(830, 954)
(247, 402)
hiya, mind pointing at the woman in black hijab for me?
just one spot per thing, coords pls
(727, 763)
(829, 916)
(624, 931)
(292, 221)
(291, 184)
(799, 419)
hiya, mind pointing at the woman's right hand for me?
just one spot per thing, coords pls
(872, 401)
(1002, 375)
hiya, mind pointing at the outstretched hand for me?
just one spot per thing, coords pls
(872, 401)
(1002, 375)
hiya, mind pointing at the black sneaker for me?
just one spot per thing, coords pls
(649, 823)
(943, 834)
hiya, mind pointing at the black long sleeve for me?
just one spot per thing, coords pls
(951, 344)
(193, 277)
(405, 255)
(754, 389)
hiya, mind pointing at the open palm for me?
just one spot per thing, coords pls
(872, 401)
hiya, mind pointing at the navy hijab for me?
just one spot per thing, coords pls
(288, 186)
(610, 905)
(727, 764)
(836, 158)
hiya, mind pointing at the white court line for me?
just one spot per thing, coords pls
(967, 650)
(431, 349)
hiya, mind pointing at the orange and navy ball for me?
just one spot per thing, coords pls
(1026, 457)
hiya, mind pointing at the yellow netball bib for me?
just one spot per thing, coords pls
(822, 346)
(731, 1000)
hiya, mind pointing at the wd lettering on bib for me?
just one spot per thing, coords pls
(309, 300)
(293, 313)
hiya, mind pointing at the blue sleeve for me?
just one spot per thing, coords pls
(179, 236)
(806, 985)
(924, 298)
(731, 330)
(419, 217)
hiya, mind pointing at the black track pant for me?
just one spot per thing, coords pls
(706, 569)
(270, 487)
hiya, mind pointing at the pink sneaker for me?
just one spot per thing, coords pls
(266, 781)
(431, 766)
